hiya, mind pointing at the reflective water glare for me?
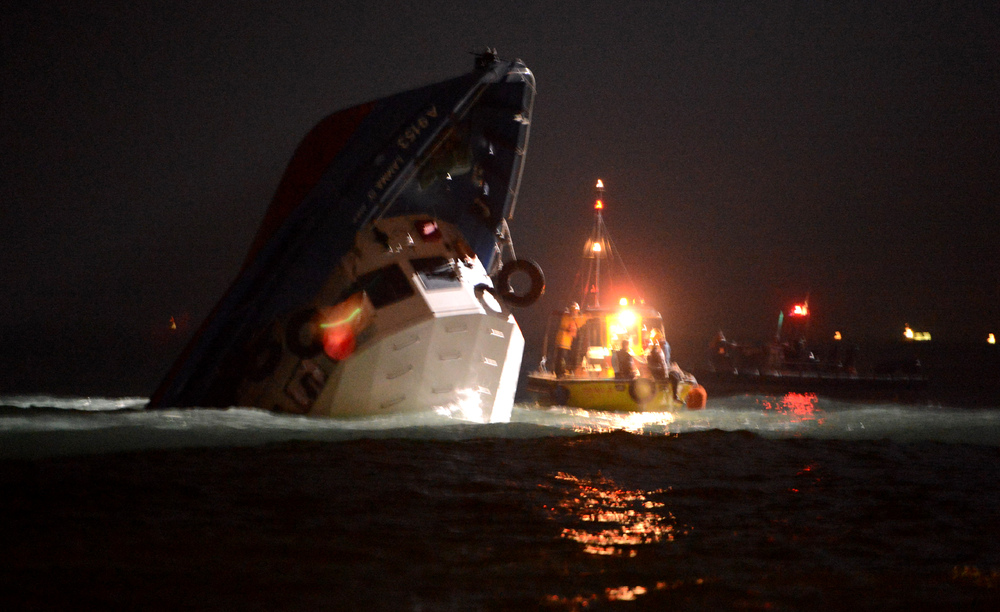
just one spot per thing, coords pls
(797, 406)
(757, 502)
(622, 519)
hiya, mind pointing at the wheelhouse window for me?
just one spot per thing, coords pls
(436, 273)
(384, 286)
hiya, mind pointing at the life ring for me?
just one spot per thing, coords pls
(491, 304)
(535, 275)
(263, 356)
(641, 390)
(302, 333)
(559, 395)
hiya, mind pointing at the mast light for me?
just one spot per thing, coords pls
(600, 184)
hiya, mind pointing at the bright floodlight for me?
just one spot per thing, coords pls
(626, 318)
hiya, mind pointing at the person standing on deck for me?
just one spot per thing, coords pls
(569, 325)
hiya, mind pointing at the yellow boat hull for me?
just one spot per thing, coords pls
(637, 395)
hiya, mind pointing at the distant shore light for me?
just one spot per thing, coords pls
(916, 336)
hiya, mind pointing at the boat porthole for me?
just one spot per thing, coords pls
(560, 395)
(641, 390)
(535, 276)
(302, 334)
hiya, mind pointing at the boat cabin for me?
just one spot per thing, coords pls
(593, 335)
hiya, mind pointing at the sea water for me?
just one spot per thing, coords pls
(757, 502)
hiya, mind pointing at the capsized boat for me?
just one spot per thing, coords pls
(380, 278)
(609, 357)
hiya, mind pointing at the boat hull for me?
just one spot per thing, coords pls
(900, 388)
(615, 394)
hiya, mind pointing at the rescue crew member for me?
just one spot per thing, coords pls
(675, 375)
(569, 325)
(624, 366)
(656, 361)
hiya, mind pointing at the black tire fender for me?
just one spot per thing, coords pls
(535, 275)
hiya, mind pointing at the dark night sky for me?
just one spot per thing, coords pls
(751, 154)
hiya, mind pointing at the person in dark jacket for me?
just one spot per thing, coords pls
(657, 362)
(625, 367)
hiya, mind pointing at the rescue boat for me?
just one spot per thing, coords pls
(379, 281)
(602, 357)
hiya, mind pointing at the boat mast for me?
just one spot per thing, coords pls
(598, 244)
(597, 248)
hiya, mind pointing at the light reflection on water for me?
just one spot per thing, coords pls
(622, 519)
(575, 521)
(614, 522)
(797, 407)
(588, 422)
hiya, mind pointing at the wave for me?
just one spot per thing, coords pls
(40, 425)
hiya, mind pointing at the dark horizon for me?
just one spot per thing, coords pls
(751, 156)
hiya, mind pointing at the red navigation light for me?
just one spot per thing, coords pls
(339, 341)
(598, 205)
(342, 323)
(799, 310)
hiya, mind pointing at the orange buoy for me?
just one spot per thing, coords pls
(696, 398)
